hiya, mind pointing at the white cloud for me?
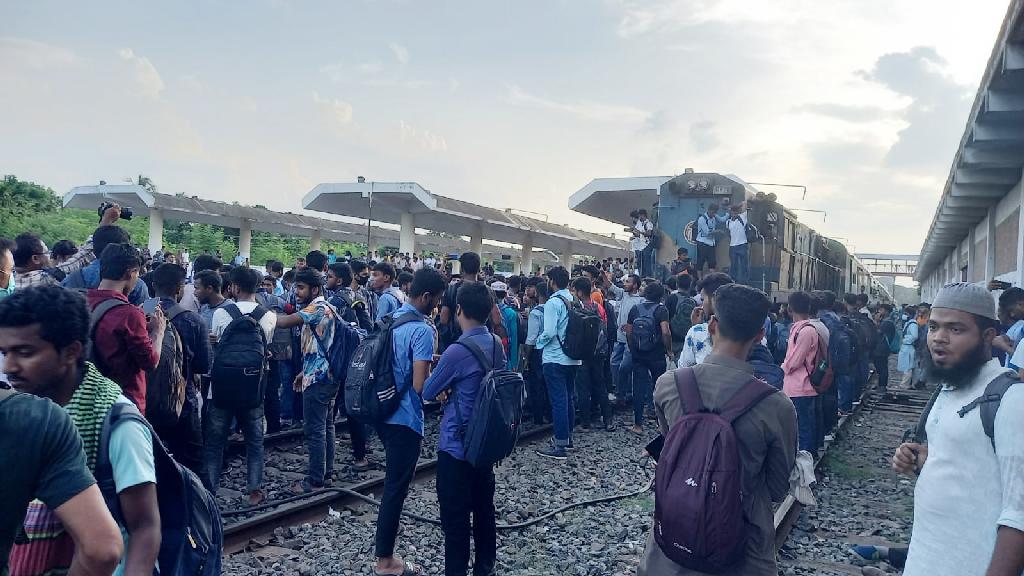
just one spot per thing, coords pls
(401, 53)
(583, 109)
(146, 75)
(337, 111)
(422, 138)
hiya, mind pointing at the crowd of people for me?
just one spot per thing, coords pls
(202, 347)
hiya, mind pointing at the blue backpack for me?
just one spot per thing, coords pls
(193, 537)
(342, 348)
(493, 428)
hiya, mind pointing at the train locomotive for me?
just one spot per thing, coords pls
(788, 256)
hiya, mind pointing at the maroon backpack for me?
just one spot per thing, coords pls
(698, 507)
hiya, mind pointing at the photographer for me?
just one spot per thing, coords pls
(32, 264)
(107, 233)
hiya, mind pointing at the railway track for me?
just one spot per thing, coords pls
(239, 535)
(261, 530)
(899, 408)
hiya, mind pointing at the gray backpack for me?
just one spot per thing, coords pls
(988, 403)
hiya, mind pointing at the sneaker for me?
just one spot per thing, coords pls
(553, 452)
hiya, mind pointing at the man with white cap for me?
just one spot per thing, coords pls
(969, 497)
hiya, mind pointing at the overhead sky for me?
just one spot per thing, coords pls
(508, 104)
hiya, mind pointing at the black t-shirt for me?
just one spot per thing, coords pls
(660, 315)
(41, 456)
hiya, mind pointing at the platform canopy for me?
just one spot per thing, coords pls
(990, 155)
(182, 208)
(411, 206)
(612, 199)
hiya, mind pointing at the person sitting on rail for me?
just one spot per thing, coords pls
(767, 433)
(462, 489)
(969, 497)
(402, 432)
(44, 333)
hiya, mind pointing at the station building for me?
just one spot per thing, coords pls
(976, 233)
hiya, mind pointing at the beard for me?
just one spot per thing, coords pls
(962, 373)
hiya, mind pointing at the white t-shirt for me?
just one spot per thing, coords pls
(738, 230)
(640, 242)
(966, 489)
(221, 319)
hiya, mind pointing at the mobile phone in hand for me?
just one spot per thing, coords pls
(654, 447)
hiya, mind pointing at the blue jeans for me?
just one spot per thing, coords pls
(291, 401)
(807, 422)
(318, 426)
(622, 371)
(560, 380)
(846, 386)
(739, 262)
(216, 426)
(645, 372)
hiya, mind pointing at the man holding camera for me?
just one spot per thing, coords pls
(32, 264)
(106, 234)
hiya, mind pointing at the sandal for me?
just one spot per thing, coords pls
(362, 467)
(303, 487)
(408, 569)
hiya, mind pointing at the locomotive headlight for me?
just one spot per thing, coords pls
(691, 185)
(703, 184)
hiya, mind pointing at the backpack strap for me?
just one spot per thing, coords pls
(95, 317)
(175, 311)
(989, 402)
(920, 433)
(104, 471)
(689, 392)
(478, 353)
(232, 310)
(749, 396)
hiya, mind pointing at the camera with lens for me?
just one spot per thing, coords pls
(126, 213)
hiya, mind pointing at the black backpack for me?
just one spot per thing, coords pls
(752, 233)
(988, 403)
(646, 333)
(581, 332)
(680, 323)
(371, 392)
(493, 428)
(165, 384)
(238, 376)
(192, 535)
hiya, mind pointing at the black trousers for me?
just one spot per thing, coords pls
(184, 440)
(402, 451)
(537, 390)
(356, 429)
(592, 388)
(464, 491)
(882, 367)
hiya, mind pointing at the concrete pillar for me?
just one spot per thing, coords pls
(476, 239)
(407, 234)
(566, 258)
(245, 239)
(156, 230)
(314, 241)
(526, 261)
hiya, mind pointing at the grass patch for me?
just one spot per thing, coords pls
(841, 468)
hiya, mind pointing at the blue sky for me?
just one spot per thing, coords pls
(514, 104)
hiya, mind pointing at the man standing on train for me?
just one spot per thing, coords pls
(739, 249)
(708, 233)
